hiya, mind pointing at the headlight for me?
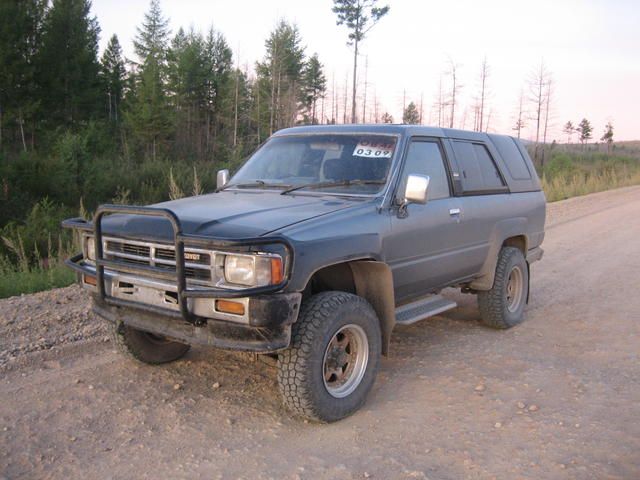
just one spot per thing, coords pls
(90, 248)
(253, 270)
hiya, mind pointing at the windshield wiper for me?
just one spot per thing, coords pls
(255, 184)
(335, 183)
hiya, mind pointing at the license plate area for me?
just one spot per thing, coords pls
(147, 295)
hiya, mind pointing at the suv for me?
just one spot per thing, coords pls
(324, 240)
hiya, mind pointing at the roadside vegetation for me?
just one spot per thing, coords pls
(571, 172)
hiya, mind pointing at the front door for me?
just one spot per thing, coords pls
(426, 248)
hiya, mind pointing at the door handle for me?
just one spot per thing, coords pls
(454, 211)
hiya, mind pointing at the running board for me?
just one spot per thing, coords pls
(426, 307)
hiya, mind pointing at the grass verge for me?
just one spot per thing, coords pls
(16, 282)
(570, 175)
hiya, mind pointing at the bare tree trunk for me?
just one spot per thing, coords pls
(454, 90)
(364, 98)
(353, 95)
(538, 83)
(346, 82)
(334, 105)
(376, 118)
(273, 89)
(277, 104)
(235, 115)
(483, 81)
(421, 105)
(546, 122)
(440, 103)
(21, 122)
(519, 122)
(259, 120)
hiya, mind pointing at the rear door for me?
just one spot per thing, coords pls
(483, 194)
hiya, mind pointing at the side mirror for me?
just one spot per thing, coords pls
(414, 192)
(223, 178)
(416, 189)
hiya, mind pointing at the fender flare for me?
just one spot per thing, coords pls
(502, 231)
(374, 282)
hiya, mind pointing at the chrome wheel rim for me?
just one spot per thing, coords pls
(345, 361)
(515, 288)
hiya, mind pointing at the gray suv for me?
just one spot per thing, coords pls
(324, 240)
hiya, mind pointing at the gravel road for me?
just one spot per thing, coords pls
(557, 397)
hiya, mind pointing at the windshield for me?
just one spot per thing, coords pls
(330, 163)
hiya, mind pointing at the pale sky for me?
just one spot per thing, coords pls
(591, 47)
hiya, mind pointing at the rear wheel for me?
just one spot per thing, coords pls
(503, 305)
(147, 347)
(333, 359)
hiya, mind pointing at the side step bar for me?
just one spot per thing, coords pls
(423, 308)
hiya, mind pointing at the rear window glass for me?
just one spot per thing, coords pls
(512, 157)
(479, 172)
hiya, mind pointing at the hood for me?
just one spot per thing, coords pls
(227, 214)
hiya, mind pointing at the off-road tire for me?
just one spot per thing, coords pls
(494, 303)
(146, 347)
(301, 366)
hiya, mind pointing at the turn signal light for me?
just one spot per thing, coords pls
(90, 280)
(277, 274)
(226, 306)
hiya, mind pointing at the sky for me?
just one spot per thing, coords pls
(590, 47)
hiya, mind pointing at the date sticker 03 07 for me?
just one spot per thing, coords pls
(374, 149)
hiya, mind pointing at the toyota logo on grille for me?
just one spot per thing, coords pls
(195, 257)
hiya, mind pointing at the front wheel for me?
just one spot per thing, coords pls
(503, 306)
(147, 347)
(333, 359)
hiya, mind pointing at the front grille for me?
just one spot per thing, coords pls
(129, 249)
(190, 257)
(197, 262)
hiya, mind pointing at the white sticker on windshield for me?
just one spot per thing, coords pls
(374, 149)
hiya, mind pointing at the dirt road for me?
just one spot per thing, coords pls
(555, 398)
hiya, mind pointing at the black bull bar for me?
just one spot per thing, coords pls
(179, 276)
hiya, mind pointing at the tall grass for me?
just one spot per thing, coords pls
(573, 174)
(16, 281)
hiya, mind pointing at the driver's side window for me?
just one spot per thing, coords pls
(425, 158)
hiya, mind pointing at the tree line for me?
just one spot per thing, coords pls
(185, 94)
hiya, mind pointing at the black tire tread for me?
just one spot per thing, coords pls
(293, 362)
(491, 303)
(126, 343)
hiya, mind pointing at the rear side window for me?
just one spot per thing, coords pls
(425, 158)
(478, 170)
(512, 157)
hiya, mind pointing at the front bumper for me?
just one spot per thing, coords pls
(164, 302)
(269, 331)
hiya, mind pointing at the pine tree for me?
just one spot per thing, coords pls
(314, 86)
(69, 86)
(149, 117)
(387, 118)
(219, 92)
(114, 75)
(585, 130)
(280, 76)
(569, 129)
(20, 40)
(359, 16)
(607, 137)
(411, 115)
